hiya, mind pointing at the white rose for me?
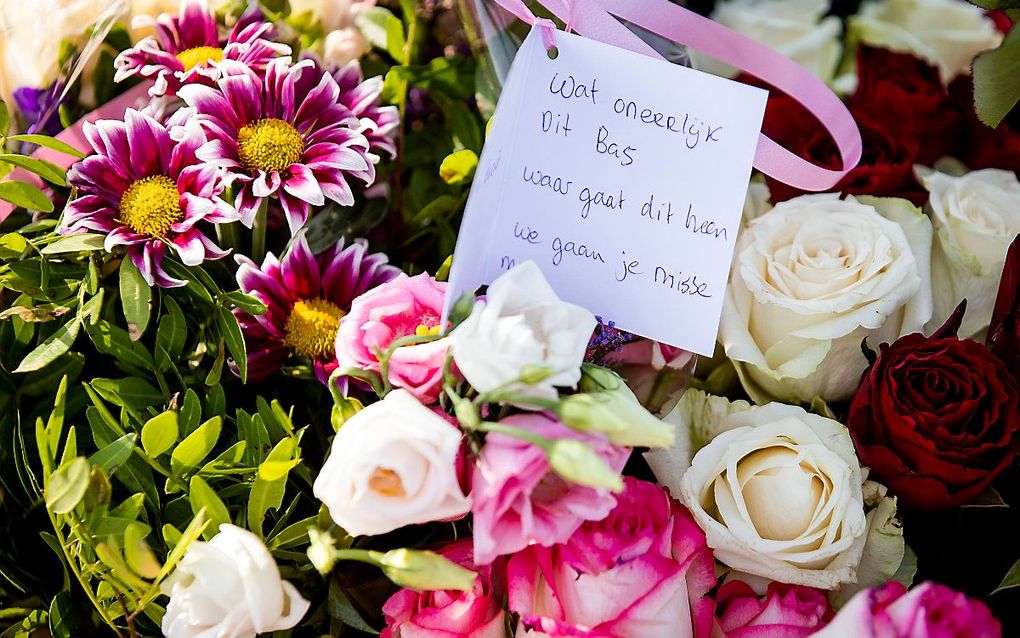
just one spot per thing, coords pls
(779, 495)
(796, 28)
(343, 46)
(811, 279)
(976, 217)
(522, 323)
(947, 33)
(229, 587)
(31, 34)
(392, 464)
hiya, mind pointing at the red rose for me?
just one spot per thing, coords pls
(886, 168)
(1004, 329)
(905, 94)
(981, 146)
(936, 418)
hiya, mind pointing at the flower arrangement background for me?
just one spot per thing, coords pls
(228, 405)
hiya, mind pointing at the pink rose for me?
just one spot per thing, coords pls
(786, 611)
(657, 373)
(475, 614)
(644, 571)
(405, 306)
(520, 501)
(928, 610)
(447, 614)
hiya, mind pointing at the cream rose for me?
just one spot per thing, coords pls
(392, 464)
(796, 28)
(976, 216)
(779, 495)
(229, 586)
(811, 279)
(947, 33)
(522, 323)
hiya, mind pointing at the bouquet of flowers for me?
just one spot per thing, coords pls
(231, 404)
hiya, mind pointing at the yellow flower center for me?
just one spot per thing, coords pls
(269, 145)
(311, 327)
(199, 56)
(386, 482)
(151, 205)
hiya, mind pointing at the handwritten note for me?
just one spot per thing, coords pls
(623, 178)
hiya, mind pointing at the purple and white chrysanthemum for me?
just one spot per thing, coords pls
(278, 136)
(188, 49)
(305, 297)
(361, 96)
(147, 192)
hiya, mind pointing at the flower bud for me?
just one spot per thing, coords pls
(608, 406)
(425, 571)
(321, 550)
(578, 463)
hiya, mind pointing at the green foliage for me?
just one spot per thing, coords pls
(997, 76)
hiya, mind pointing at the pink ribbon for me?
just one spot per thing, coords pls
(74, 136)
(595, 19)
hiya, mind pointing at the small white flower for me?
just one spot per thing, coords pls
(976, 216)
(392, 464)
(522, 323)
(811, 279)
(799, 29)
(778, 494)
(229, 587)
(947, 33)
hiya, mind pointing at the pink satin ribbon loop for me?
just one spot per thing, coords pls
(595, 19)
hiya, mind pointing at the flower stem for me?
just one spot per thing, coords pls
(258, 232)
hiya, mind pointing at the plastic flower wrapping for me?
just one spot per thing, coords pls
(231, 403)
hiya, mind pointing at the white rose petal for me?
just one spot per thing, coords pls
(778, 494)
(947, 33)
(229, 587)
(392, 464)
(811, 279)
(522, 323)
(799, 29)
(976, 217)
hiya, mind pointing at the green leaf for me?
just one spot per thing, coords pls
(135, 298)
(25, 196)
(55, 345)
(139, 556)
(74, 244)
(458, 167)
(61, 616)
(996, 87)
(170, 335)
(44, 169)
(132, 393)
(268, 491)
(1011, 579)
(12, 245)
(160, 433)
(67, 486)
(114, 341)
(247, 303)
(190, 453)
(203, 496)
(374, 23)
(5, 118)
(49, 142)
(235, 342)
(115, 454)
(191, 413)
(188, 536)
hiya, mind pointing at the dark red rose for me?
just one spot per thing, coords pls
(905, 94)
(936, 418)
(1004, 329)
(981, 146)
(886, 168)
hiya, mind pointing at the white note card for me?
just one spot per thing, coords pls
(623, 177)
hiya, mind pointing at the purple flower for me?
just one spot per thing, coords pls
(281, 136)
(305, 296)
(361, 96)
(147, 191)
(188, 49)
(40, 108)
